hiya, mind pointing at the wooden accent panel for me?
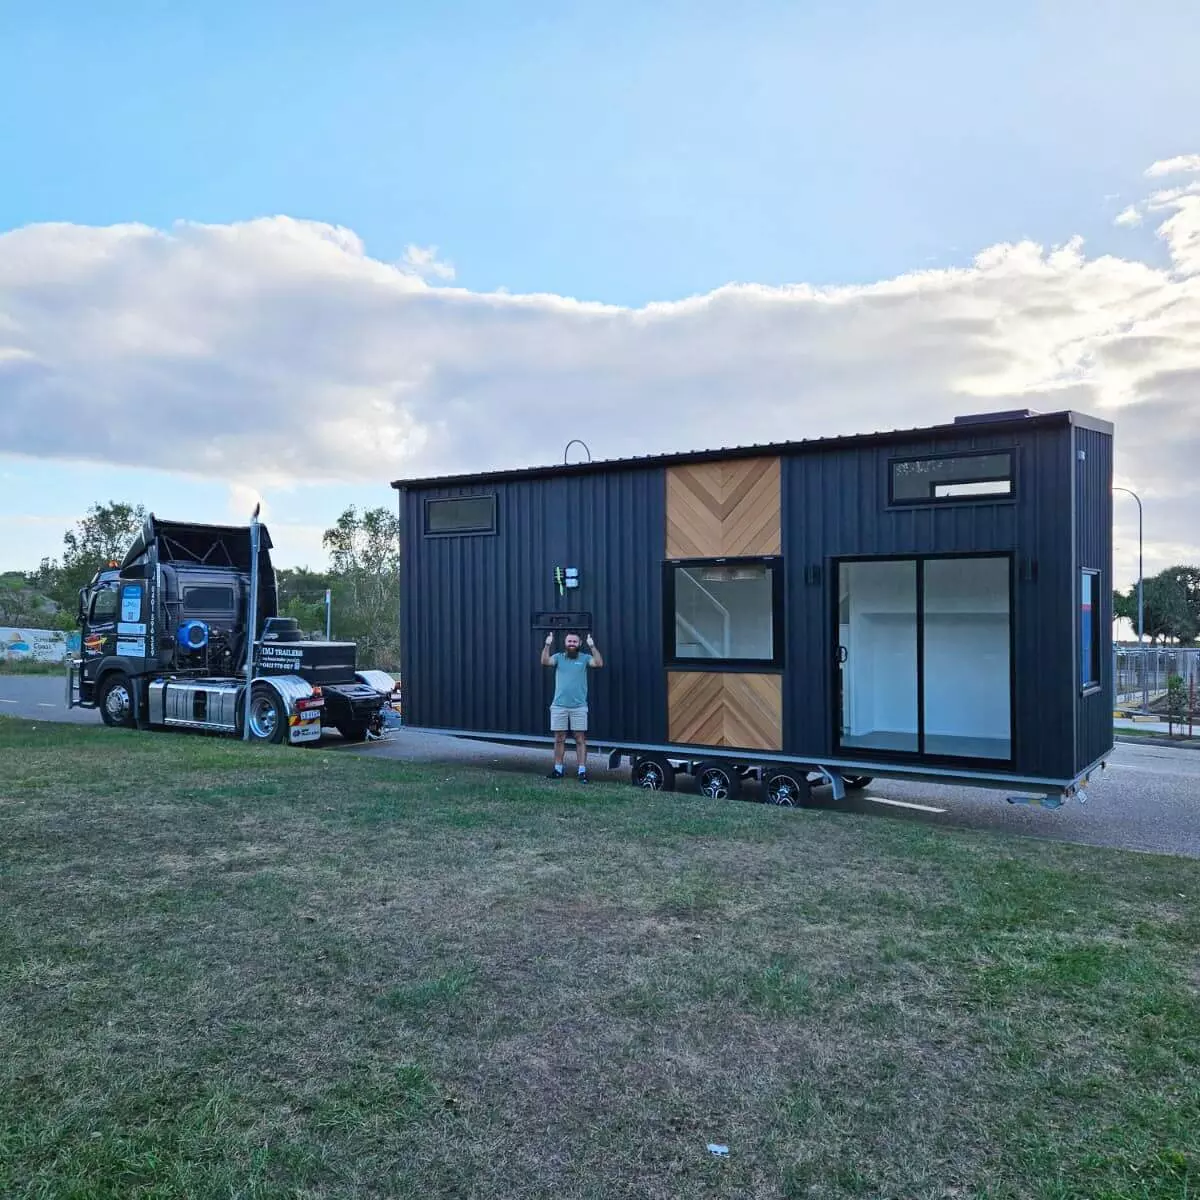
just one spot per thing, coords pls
(724, 709)
(724, 509)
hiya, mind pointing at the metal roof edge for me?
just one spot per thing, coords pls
(1005, 423)
(1095, 424)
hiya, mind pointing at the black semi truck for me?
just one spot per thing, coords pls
(186, 627)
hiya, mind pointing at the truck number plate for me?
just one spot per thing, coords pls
(305, 731)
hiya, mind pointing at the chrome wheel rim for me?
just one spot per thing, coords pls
(783, 790)
(116, 702)
(262, 718)
(715, 784)
(649, 775)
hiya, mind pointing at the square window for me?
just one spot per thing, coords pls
(725, 611)
(952, 478)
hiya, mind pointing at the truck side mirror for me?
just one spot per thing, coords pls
(82, 605)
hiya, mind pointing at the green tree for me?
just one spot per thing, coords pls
(1125, 605)
(1172, 604)
(101, 536)
(364, 555)
(302, 595)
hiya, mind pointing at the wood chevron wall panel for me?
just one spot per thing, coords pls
(696, 708)
(724, 509)
(744, 712)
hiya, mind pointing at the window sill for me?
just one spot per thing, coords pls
(751, 666)
(1092, 689)
(955, 502)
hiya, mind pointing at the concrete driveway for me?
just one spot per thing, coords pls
(1148, 799)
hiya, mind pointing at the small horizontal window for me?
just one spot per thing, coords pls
(958, 477)
(208, 599)
(727, 612)
(461, 514)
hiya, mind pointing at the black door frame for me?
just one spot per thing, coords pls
(919, 755)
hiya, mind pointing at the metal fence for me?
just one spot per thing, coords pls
(1142, 673)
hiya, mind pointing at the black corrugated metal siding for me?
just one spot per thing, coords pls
(836, 505)
(469, 654)
(1093, 550)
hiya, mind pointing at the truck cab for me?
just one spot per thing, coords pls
(165, 642)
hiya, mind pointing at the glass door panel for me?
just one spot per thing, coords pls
(877, 636)
(967, 668)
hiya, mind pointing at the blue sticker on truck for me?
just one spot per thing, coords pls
(131, 603)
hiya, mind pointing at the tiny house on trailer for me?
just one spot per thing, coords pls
(928, 603)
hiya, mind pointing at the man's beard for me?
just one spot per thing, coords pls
(572, 651)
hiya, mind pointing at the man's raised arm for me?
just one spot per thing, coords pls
(597, 657)
(546, 651)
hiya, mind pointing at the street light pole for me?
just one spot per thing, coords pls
(1141, 604)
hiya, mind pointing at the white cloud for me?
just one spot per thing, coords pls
(277, 352)
(423, 262)
(1181, 164)
(1128, 217)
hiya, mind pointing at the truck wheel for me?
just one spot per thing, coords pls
(718, 780)
(786, 787)
(115, 701)
(353, 731)
(652, 773)
(268, 717)
(856, 783)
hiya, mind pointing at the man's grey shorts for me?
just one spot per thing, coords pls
(573, 720)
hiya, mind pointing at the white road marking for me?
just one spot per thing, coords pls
(929, 808)
(44, 705)
(7, 702)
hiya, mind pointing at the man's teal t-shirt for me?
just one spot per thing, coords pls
(570, 680)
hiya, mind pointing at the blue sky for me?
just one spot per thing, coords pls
(623, 153)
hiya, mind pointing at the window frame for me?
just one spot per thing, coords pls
(921, 755)
(474, 531)
(765, 666)
(1088, 687)
(1009, 497)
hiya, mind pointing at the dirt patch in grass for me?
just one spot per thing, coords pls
(246, 972)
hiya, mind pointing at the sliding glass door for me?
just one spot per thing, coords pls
(925, 658)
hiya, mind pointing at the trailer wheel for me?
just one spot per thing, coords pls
(353, 731)
(268, 717)
(116, 700)
(786, 787)
(718, 780)
(856, 783)
(652, 773)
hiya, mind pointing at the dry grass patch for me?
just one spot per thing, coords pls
(256, 973)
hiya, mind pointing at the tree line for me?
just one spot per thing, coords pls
(1171, 604)
(364, 554)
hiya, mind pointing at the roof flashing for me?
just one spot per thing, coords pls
(1015, 421)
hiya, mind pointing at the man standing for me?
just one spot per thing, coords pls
(569, 709)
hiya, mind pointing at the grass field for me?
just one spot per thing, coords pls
(232, 972)
(16, 666)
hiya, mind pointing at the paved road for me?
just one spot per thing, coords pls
(1148, 799)
(41, 697)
